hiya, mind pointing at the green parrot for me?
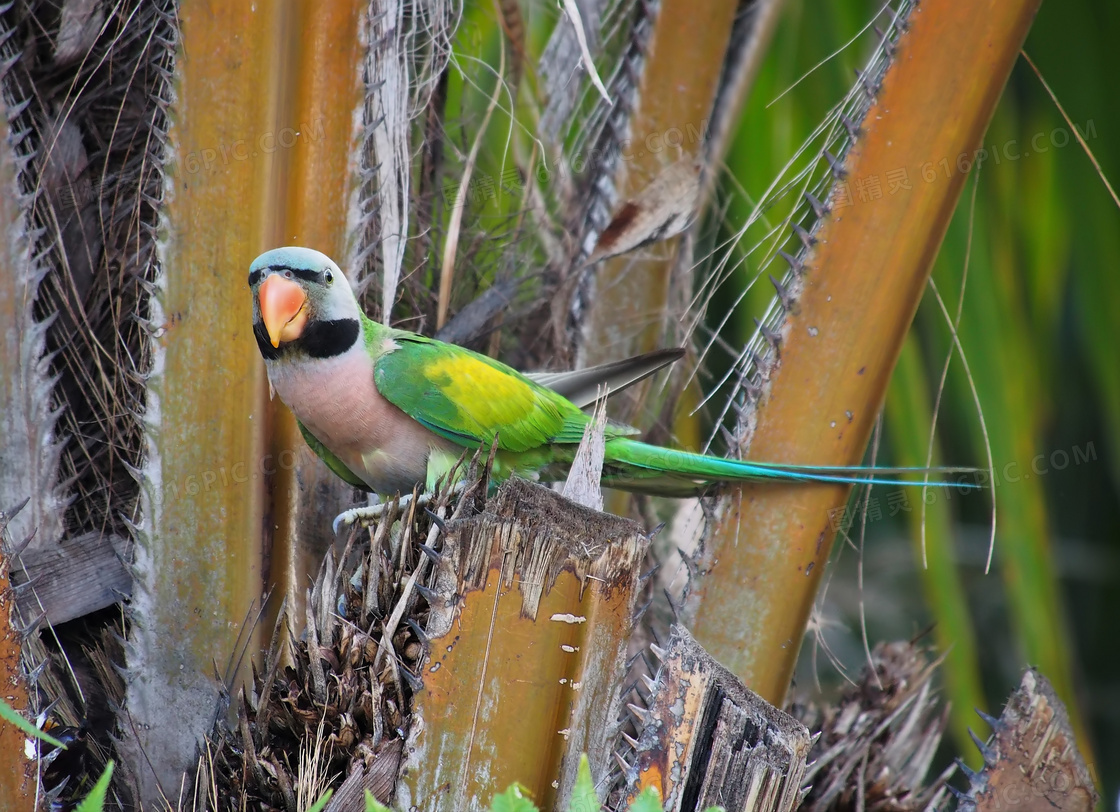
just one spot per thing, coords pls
(387, 409)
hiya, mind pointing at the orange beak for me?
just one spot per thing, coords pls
(282, 309)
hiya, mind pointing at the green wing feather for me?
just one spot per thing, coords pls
(333, 462)
(471, 399)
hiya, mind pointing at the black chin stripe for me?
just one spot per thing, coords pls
(320, 339)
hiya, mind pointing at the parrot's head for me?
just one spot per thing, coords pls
(301, 298)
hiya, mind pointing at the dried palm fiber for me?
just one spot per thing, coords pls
(89, 84)
(584, 136)
(409, 48)
(878, 740)
(96, 80)
(346, 682)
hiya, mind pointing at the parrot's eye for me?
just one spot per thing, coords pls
(328, 277)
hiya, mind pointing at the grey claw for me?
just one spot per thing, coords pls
(366, 513)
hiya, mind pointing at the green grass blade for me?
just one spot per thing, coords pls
(908, 419)
(95, 801)
(583, 793)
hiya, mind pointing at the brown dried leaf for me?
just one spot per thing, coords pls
(661, 210)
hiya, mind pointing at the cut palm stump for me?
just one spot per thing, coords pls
(706, 740)
(531, 612)
(1031, 761)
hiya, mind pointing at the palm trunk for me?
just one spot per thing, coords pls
(857, 287)
(198, 561)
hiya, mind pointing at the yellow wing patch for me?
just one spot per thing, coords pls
(462, 395)
(465, 379)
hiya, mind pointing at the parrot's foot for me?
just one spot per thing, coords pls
(368, 514)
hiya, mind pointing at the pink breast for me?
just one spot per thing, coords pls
(336, 399)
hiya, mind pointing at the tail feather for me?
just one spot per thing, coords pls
(633, 465)
(584, 387)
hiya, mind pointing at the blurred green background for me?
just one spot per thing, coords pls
(1040, 321)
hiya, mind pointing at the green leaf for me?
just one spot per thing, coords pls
(10, 714)
(513, 799)
(648, 801)
(95, 801)
(322, 802)
(583, 793)
(373, 805)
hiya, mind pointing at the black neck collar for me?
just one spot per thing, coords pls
(320, 339)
